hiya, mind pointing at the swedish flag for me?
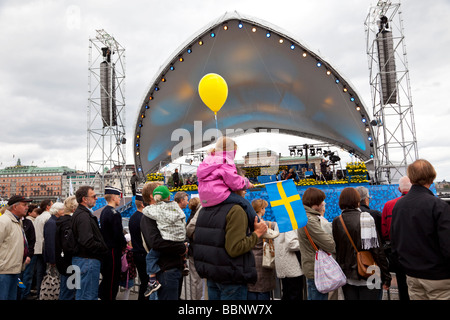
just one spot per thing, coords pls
(286, 205)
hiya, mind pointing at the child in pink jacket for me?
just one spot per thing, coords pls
(217, 178)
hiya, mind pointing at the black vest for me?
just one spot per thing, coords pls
(211, 259)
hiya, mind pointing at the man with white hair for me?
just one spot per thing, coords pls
(404, 184)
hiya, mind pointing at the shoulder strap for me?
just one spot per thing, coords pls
(346, 231)
(310, 239)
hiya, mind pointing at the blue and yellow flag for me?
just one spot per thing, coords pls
(286, 205)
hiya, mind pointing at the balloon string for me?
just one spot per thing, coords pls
(217, 127)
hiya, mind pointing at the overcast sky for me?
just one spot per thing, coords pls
(44, 64)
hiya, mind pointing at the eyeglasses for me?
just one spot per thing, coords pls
(94, 196)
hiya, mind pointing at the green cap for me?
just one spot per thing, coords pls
(163, 191)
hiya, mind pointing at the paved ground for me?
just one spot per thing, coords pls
(391, 295)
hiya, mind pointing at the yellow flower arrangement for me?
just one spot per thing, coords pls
(356, 168)
(156, 176)
(186, 187)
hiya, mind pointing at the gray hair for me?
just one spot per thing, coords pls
(56, 207)
(180, 196)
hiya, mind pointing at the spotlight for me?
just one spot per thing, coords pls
(240, 25)
(352, 99)
(334, 158)
(200, 42)
(328, 72)
(146, 106)
(212, 34)
(304, 54)
(318, 64)
(358, 108)
(254, 29)
(345, 89)
(156, 88)
(189, 50)
(181, 59)
(369, 138)
(172, 68)
(364, 120)
(268, 35)
(292, 47)
(281, 40)
(337, 81)
(225, 27)
(292, 152)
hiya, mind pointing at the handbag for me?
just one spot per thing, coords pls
(328, 275)
(364, 259)
(50, 285)
(268, 260)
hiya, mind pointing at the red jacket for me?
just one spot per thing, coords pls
(386, 217)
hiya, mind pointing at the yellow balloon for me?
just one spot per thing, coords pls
(213, 91)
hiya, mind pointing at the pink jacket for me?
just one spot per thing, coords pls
(217, 177)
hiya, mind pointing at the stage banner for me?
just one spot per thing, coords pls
(286, 205)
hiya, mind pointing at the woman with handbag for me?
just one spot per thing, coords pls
(358, 250)
(264, 253)
(314, 202)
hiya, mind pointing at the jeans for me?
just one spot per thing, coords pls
(89, 278)
(64, 292)
(217, 291)
(258, 295)
(171, 281)
(8, 286)
(27, 277)
(313, 294)
(246, 205)
(152, 261)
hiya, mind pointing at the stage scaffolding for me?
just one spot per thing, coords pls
(393, 116)
(106, 142)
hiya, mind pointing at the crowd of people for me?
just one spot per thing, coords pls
(225, 246)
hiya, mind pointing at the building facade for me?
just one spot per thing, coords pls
(38, 183)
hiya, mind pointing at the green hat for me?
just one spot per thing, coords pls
(163, 191)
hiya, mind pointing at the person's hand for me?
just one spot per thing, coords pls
(260, 227)
(250, 185)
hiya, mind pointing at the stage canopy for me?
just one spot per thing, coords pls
(274, 82)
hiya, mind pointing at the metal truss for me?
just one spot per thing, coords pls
(106, 142)
(393, 116)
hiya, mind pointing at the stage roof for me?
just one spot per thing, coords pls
(274, 82)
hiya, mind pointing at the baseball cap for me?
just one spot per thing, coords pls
(17, 198)
(163, 191)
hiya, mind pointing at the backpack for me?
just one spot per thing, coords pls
(66, 245)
